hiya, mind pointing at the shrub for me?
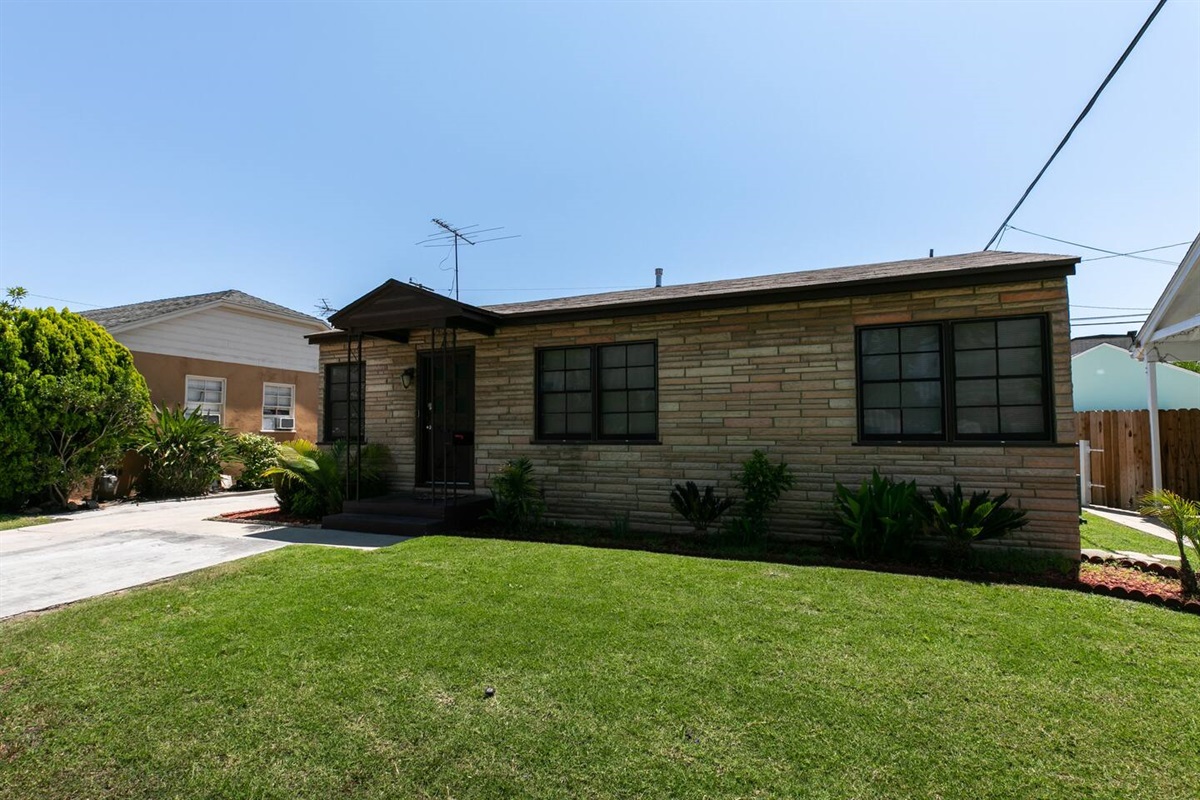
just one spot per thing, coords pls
(307, 480)
(699, 509)
(69, 398)
(879, 519)
(256, 453)
(1182, 516)
(183, 453)
(517, 498)
(762, 484)
(312, 483)
(367, 467)
(963, 521)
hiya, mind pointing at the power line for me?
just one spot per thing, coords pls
(1111, 253)
(1111, 308)
(1084, 113)
(1132, 253)
(64, 300)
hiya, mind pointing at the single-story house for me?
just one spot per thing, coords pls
(1106, 377)
(243, 361)
(955, 368)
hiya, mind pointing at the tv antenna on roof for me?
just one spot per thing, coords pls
(450, 236)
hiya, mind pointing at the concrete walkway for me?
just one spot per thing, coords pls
(1147, 525)
(91, 553)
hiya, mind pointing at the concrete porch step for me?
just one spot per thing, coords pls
(393, 524)
(466, 509)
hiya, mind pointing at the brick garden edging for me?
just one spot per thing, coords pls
(1153, 567)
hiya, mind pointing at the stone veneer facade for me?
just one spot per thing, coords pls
(780, 377)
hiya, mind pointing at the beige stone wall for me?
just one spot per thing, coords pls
(777, 377)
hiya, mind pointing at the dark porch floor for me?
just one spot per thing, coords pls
(409, 513)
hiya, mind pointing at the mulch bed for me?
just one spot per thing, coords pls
(1129, 579)
(268, 516)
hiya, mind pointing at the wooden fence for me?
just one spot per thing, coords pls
(1121, 474)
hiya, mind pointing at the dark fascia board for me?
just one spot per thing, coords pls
(980, 276)
(448, 311)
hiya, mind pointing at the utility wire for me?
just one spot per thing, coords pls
(63, 300)
(1133, 253)
(1111, 253)
(1084, 113)
(1112, 308)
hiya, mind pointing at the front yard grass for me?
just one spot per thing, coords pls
(309, 672)
(1103, 534)
(10, 521)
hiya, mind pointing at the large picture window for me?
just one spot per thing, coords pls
(598, 393)
(963, 380)
(343, 402)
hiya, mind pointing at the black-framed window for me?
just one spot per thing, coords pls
(598, 392)
(343, 402)
(975, 380)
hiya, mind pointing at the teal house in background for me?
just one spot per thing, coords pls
(1107, 378)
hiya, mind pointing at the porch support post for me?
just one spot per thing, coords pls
(1152, 407)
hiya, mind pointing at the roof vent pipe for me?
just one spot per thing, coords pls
(658, 277)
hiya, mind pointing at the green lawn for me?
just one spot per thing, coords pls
(309, 672)
(10, 521)
(1102, 534)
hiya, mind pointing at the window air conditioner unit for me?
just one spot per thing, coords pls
(214, 418)
(285, 423)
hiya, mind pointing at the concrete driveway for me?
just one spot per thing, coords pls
(96, 552)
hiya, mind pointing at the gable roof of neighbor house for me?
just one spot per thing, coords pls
(119, 318)
(393, 308)
(1081, 344)
(1173, 326)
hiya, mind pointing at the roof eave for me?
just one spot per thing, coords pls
(964, 277)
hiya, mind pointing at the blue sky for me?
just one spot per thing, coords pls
(297, 151)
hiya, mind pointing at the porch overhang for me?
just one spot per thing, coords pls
(394, 309)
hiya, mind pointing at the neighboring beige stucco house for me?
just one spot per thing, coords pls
(241, 360)
(945, 369)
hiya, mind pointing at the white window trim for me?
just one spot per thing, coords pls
(187, 404)
(265, 416)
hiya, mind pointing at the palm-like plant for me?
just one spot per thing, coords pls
(517, 497)
(701, 509)
(307, 480)
(183, 452)
(1182, 517)
(966, 520)
(878, 519)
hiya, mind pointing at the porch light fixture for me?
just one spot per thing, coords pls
(406, 377)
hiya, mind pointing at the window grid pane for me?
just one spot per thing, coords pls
(205, 396)
(900, 376)
(628, 391)
(565, 393)
(343, 402)
(1001, 379)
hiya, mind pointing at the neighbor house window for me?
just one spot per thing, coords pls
(343, 402)
(964, 380)
(279, 407)
(206, 395)
(597, 393)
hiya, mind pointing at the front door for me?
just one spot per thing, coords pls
(446, 418)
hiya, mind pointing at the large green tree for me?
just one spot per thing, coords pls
(69, 398)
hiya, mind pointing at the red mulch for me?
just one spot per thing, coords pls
(1130, 579)
(271, 516)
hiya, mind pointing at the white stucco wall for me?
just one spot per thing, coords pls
(1108, 378)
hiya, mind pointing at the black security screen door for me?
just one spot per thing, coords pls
(446, 418)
